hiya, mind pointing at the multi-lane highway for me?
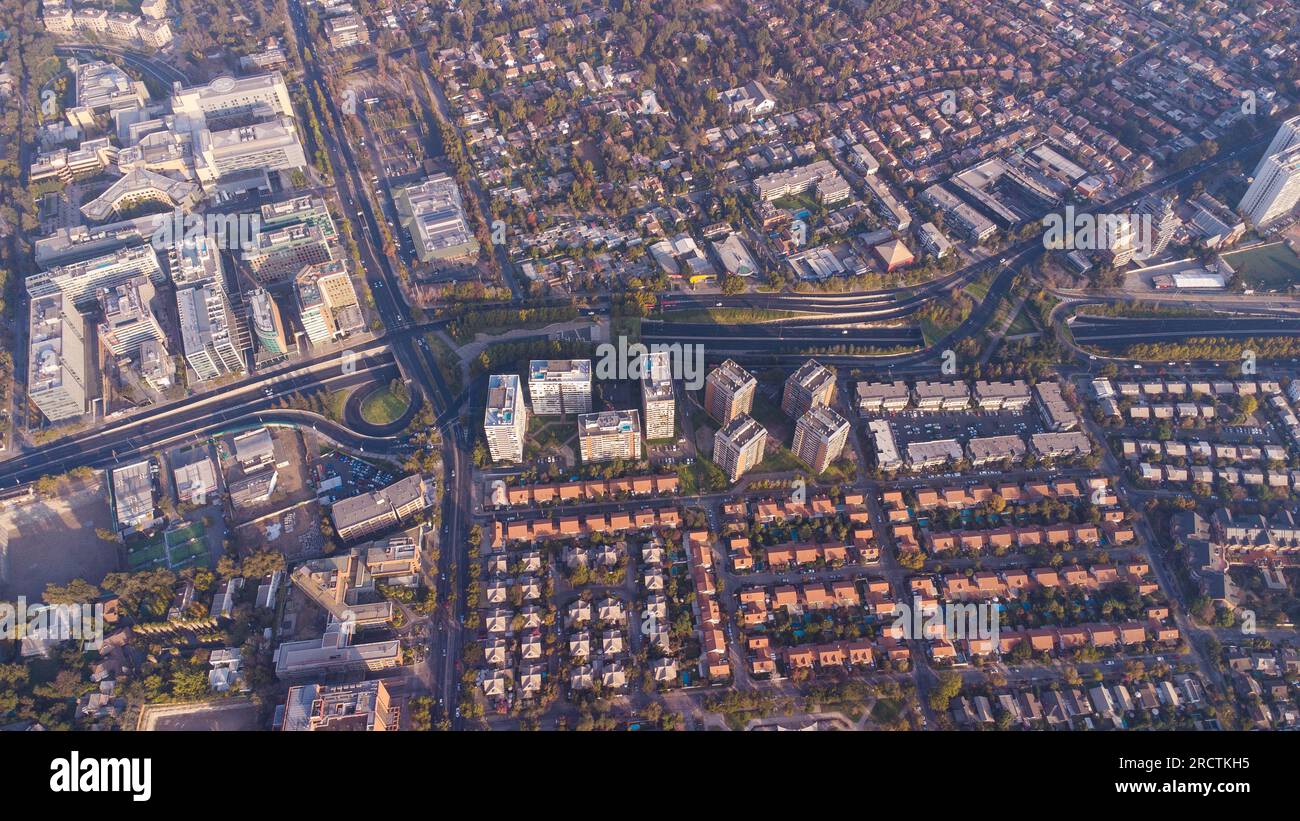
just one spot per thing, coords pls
(416, 363)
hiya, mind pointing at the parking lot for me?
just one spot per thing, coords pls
(926, 426)
(358, 475)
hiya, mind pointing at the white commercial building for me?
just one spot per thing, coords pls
(57, 357)
(434, 216)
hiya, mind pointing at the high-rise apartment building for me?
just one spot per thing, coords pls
(609, 435)
(729, 392)
(819, 438)
(739, 445)
(657, 401)
(1164, 222)
(813, 385)
(559, 386)
(1276, 188)
(506, 419)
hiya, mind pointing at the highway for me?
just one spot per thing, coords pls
(134, 438)
(1121, 332)
(417, 366)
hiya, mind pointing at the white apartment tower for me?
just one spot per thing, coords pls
(657, 402)
(506, 420)
(609, 435)
(559, 386)
(819, 438)
(1276, 188)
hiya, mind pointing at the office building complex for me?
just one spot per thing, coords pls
(739, 445)
(506, 420)
(262, 95)
(58, 361)
(327, 302)
(206, 325)
(361, 706)
(291, 234)
(729, 392)
(372, 512)
(819, 438)
(609, 435)
(657, 402)
(559, 386)
(813, 385)
(81, 281)
(335, 652)
(128, 316)
(268, 326)
(434, 216)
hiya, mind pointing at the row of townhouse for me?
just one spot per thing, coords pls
(1005, 537)
(527, 530)
(988, 583)
(882, 397)
(715, 664)
(503, 496)
(817, 507)
(1153, 388)
(863, 550)
(966, 497)
(840, 654)
(1285, 414)
(757, 604)
(1171, 412)
(1202, 451)
(1253, 477)
(1052, 639)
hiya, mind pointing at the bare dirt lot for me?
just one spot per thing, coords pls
(54, 541)
(232, 714)
(294, 532)
(292, 464)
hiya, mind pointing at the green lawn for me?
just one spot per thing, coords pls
(186, 546)
(1267, 267)
(383, 407)
(780, 460)
(729, 316)
(1022, 324)
(933, 331)
(146, 554)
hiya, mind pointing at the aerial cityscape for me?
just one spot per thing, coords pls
(734, 365)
